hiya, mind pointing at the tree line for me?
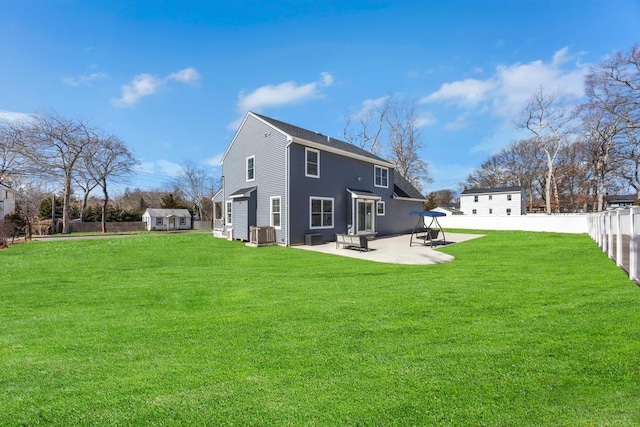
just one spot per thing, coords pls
(44, 156)
(576, 152)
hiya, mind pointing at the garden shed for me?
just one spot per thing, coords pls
(167, 219)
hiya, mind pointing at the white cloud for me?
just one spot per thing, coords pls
(371, 104)
(188, 75)
(282, 94)
(456, 125)
(214, 161)
(142, 85)
(506, 92)
(425, 119)
(469, 91)
(276, 95)
(161, 168)
(12, 116)
(85, 79)
(146, 84)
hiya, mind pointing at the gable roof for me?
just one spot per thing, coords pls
(4, 187)
(514, 189)
(403, 189)
(180, 213)
(622, 198)
(308, 137)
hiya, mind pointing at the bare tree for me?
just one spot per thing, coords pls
(52, 146)
(405, 143)
(549, 117)
(110, 162)
(12, 161)
(365, 128)
(390, 129)
(195, 184)
(613, 88)
(84, 175)
(31, 192)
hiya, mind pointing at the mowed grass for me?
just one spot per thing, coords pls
(521, 329)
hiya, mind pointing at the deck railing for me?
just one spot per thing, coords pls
(616, 232)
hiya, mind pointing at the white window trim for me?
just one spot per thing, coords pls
(306, 162)
(246, 169)
(384, 208)
(159, 221)
(333, 215)
(228, 212)
(271, 199)
(375, 168)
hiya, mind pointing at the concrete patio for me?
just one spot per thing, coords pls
(396, 249)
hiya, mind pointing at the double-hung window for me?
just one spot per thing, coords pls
(183, 221)
(381, 176)
(159, 221)
(227, 212)
(312, 162)
(321, 209)
(251, 168)
(380, 208)
(275, 211)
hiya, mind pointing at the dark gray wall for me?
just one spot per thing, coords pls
(337, 173)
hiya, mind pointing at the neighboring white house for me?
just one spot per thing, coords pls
(493, 201)
(167, 219)
(7, 201)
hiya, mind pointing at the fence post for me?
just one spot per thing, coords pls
(610, 249)
(633, 244)
(618, 239)
(601, 230)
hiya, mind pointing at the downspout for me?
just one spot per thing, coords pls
(287, 189)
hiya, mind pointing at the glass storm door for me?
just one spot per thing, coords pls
(365, 216)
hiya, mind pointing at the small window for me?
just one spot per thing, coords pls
(275, 212)
(508, 197)
(312, 168)
(474, 211)
(508, 211)
(251, 165)
(321, 210)
(159, 221)
(475, 198)
(381, 176)
(490, 210)
(380, 208)
(227, 216)
(183, 221)
(490, 197)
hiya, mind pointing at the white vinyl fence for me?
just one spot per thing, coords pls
(616, 232)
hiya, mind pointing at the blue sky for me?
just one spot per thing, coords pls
(172, 78)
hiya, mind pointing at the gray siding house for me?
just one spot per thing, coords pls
(304, 183)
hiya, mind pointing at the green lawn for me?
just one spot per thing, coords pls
(521, 329)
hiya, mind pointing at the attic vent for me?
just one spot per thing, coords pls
(328, 138)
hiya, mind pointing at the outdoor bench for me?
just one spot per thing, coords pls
(352, 241)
